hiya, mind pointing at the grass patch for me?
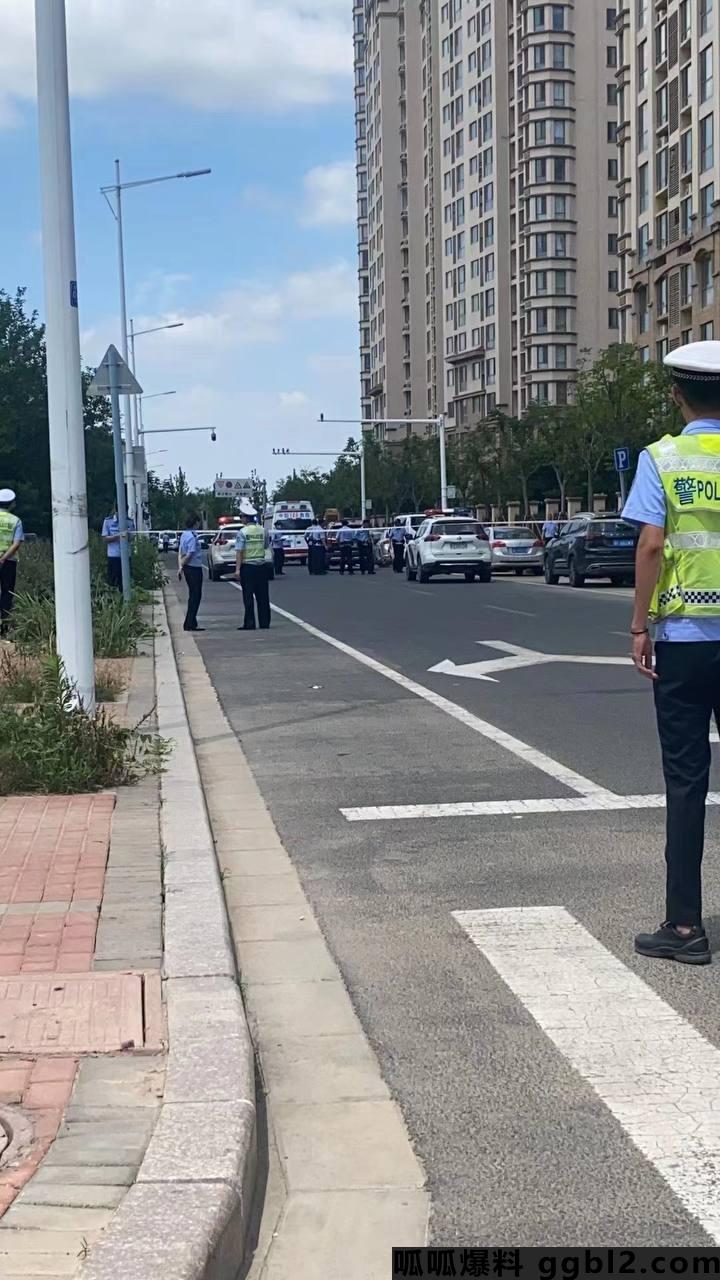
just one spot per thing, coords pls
(117, 626)
(53, 746)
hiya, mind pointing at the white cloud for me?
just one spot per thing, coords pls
(218, 55)
(293, 399)
(330, 195)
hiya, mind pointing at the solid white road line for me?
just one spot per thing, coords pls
(529, 755)
(519, 613)
(657, 1075)
(606, 800)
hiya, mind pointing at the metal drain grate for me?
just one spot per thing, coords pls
(81, 1013)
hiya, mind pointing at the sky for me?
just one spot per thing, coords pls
(257, 259)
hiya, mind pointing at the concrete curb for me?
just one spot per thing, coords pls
(186, 1217)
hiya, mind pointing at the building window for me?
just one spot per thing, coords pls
(558, 17)
(642, 127)
(612, 169)
(686, 151)
(541, 320)
(611, 59)
(661, 169)
(642, 65)
(613, 281)
(706, 143)
(541, 246)
(660, 42)
(643, 242)
(705, 8)
(706, 74)
(686, 216)
(707, 288)
(561, 360)
(561, 282)
(686, 285)
(561, 319)
(559, 170)
(707, 199)
(661, 106)
(560, 245)
(612, 206)
(541, 281)
(558, 57)
(612, 131)
(612, 243)
(538, 57)
(707, 331)
(661, 297)
(642, 12)
(611, 95)
(643, 188)
(542, 357)
(559, 133)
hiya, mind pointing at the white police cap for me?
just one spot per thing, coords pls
(8, 495)
(696, 361)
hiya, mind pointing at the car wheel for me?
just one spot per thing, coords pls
(410, 573)
(484, 573)
(424, 574)
(551, 578)
(575, 578)
(470, 575)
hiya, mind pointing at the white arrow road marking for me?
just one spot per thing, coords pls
(657, 1075)
(602, 801)
(529, 755)
(519, 657)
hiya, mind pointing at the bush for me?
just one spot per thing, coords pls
(117, 626)
(20, 679)
(35, 569)
(54, 746)
(146, 570)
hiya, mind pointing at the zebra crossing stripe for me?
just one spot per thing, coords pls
(657, 1075)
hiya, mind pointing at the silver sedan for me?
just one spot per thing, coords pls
(515, 548)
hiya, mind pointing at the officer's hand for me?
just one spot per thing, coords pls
(179, 575)
(642, 655)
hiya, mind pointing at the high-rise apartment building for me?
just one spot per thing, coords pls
(669, 213)
(490, 161)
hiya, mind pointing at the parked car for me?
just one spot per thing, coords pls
(382, 547)
(333, 546)
(221, 553)
(411, 523)
(592, 546)
(449, 544)
(515, 548)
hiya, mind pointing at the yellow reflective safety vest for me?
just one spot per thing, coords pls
(689, 583)
(254, 544)
(8, 525)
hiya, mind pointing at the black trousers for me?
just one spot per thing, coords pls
(8, 574)
(256, 589)
(278, 559)
(346, 557)
(114, 572)
(687, 695)
(398, 556)
(366, 554)
(193, 575)
(316, 558)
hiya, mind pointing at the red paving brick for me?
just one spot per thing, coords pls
(52, 849)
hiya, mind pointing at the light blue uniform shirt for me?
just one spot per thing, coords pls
(278, 540)
(345, 534)
(646, 505)
(397, 533)
(111, 525)
(190, 545)
(362, 536)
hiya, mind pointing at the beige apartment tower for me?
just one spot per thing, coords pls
(490, 161)
(669, 180)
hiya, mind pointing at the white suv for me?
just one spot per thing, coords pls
(449, 544)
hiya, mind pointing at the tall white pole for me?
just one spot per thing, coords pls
(443, 464)
(62, 336)
(127, 419)
(363, 503)
(137, 513)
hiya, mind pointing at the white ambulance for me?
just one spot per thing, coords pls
(291, 519)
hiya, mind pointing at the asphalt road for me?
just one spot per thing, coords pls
(518, 1145)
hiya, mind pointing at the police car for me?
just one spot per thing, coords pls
(449, 544)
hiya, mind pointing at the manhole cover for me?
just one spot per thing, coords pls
(16, 1136)
(81, 1013)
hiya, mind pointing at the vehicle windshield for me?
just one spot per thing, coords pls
(515, 534)
(226, 535)
(416, 521)
(292, 524)
(459, 528)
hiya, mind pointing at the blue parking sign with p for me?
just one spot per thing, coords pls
(622, 459)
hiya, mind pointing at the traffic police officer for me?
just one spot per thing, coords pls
(366, 550)
(676, 500)
(316, 539)
(252, 573)
(11, 535)
(190, 566)
(397, 538)
(346, 537)
(277, 539)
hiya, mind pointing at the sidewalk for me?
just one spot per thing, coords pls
(81, 1024)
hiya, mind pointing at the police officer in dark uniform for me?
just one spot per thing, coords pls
(366, 550)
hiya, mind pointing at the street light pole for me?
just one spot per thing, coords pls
(384, 422)
(73, 620)
(127, 421)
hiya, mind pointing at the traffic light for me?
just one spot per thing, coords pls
(280, 452)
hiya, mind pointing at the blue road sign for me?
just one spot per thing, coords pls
(622, 459)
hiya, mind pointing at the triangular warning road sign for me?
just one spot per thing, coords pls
(127, 383)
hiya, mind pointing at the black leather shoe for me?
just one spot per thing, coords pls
(667, 944)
